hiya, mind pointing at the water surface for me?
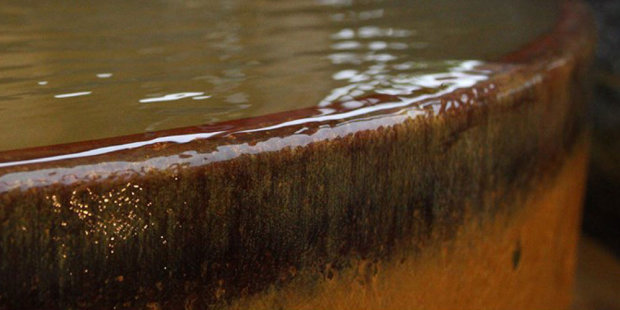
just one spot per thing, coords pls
(77, 70)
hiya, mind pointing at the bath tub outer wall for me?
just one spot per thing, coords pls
(357, 196)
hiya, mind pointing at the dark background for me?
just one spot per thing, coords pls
(598, 270)
(602, 211)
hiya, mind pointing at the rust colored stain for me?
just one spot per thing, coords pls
(475, 270)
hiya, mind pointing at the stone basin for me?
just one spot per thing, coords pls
(469, 197)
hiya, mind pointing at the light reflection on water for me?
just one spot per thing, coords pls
(71, 72)
(402, 93)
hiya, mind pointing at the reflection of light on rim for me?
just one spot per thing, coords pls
(114, 148)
